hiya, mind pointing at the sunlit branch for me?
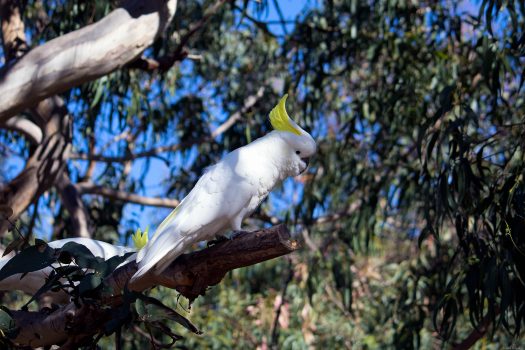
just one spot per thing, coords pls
(25, 127)
(82, 55)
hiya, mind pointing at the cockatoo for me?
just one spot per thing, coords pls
(32, 281)
(229, 191)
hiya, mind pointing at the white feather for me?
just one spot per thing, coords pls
(32, 281)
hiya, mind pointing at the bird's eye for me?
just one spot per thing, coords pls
(297, 152)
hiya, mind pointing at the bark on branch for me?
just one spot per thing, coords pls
(25, 127)
(191, 274)
(13, 36)
(72, 201)
(45, 164)
(83, 55)
(53, 134)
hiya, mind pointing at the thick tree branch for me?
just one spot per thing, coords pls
(46, 163)
(48, 160)
(90, 188)
(83, 55)
(191, 274)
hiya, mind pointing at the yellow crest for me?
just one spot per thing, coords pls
(280, 119)
(140, 238)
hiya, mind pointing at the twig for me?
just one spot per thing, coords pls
(275, 329)
(476, 334)
(90, 188)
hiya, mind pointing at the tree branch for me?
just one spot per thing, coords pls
(83, 55)
(13, 36)
(165, 62)
(78, 214)
(476, 333)
(90, 188)
(191, 274)
(25, 127)
(46, 163)
(48, 160)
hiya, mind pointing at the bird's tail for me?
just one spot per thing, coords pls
(157, 255)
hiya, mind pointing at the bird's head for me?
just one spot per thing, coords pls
(299, 145)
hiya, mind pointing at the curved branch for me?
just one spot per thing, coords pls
(476, 333)
(191, 274)
(90, 188)
(83, 55)
(25, 127)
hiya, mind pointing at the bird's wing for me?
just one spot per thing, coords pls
(99, 249)
(207, 210)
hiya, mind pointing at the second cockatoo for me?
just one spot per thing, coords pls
(229, 191)
(32, 281)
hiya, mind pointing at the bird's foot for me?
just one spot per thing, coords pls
(218, 239)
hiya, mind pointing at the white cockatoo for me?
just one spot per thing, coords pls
(229, 191)
(32, 281)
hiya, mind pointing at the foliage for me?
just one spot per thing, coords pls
(412, 213)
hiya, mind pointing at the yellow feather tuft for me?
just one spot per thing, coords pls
(280, 119)
(140, 239)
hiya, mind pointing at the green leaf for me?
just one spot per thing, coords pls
(17, 244)
(89, 283)
(53, 281)
(82, 255)
(7, 324)
(31, 259)
(100, 87)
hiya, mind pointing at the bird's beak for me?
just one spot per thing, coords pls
(306, 161)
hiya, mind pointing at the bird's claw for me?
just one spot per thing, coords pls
(217, 240)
